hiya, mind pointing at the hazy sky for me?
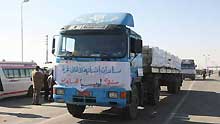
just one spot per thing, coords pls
(186, 28)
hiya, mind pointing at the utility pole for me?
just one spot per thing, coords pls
(22, 52)
(206, 60)
(46, 48)
(22, 35)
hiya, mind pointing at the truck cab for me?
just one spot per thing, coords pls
(188, 68)
(98, 59)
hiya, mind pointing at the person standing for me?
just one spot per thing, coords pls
(37, 77)
(46, 85)
(51, 82)
(210, 73)
(204, 74)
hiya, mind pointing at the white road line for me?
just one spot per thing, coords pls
(178, 105)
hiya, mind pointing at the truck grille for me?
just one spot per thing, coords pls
(84, 99)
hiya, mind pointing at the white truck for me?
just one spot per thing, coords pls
(188, 69)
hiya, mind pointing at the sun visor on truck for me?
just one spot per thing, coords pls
(105, 19)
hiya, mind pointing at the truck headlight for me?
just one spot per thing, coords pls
(113, 95)
(59, 91)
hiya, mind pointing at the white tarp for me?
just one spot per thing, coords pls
(161, 58)
(83, 75)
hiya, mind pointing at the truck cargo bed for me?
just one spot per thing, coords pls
(156, 60)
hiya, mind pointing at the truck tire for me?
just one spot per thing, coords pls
(173, 86)
(131, 111)
(154, 92)
(193, 78)
(76, 110)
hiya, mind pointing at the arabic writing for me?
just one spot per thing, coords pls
(99, 83)
(83, 75)
(90, 69)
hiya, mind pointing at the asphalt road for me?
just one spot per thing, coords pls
(197, 103)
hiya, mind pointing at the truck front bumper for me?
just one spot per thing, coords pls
(92, 96)
(191, 76)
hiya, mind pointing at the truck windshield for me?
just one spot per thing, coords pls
(187, 66)
(90, 45)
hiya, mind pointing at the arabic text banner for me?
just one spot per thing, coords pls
(83, 75)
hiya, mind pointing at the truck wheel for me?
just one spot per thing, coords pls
(30, 91)
(193, 78)
(131, 111)
(173, 87)
(154, 95)
(76, 110)
(179, 88)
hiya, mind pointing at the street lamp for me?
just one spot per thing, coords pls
(206, 60)
(22, 52)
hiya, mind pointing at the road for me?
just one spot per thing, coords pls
(197, 103)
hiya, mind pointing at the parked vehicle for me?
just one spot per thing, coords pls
(188, 69)
(100, 61)
(15, 78)
(199, 71)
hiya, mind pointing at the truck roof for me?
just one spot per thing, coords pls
(101, 21)
(125, 19)
(14, 64)
(187, 61)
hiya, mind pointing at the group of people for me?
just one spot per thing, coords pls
(42, 79)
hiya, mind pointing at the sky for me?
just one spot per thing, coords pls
(186, 28)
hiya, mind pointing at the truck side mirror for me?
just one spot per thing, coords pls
(53, 45)
(135, 46)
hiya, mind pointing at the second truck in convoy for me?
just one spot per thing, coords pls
(188, 68)
(100, 61)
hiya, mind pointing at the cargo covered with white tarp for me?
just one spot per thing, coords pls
(156, 59)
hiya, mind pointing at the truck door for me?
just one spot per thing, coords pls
(1, 86)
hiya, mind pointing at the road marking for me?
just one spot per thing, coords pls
(178, 105)
(204, 119)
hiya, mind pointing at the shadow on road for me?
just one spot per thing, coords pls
(22, 102)
(22, 115)
(202, 105)
(198, 103)
(52, 105)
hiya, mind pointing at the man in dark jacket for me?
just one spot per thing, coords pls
(46, 85)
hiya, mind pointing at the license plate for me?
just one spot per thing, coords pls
(84, 93)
